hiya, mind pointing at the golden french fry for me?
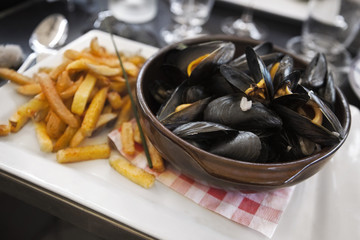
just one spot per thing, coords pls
(93, 112)
(127, 138)
(29, 89)
(70, 91)
(125, 113)
(133, 173)
(14, 76)
(114, 99)
(77, 138)
(72, 54)
(137, 137)
(131, 69)
(54, 74)
(137, 60)
(63, 81)
(103, 70)
(156, 159)
(55, 102)
(43, 138)
(78, 65)
(25, 111)
(82, 94)
(77, 154)
(96, 49)
(102, 60)
(64, 140)
(55, 126)
(118, 86)
(4, 129)
(117, 79)
(104, 119)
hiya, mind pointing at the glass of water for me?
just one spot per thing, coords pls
(188, 16)
(330, 28)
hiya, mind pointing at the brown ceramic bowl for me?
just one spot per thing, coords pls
(220, 171)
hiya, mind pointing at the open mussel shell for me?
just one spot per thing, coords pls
(259, 70)
(303, 126)
(183, 55)
(226, 110)
(191, 113)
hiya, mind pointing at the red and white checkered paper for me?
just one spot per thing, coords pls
(260, 211)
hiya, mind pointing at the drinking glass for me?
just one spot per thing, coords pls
(329, 28)
(245, 25)
(133, 11)
(129, 18)
(188, 17)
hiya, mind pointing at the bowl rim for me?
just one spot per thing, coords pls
(308, 160)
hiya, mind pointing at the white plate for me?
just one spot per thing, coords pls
(294, 9)
(325, 206)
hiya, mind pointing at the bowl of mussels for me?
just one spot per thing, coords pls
(241, 114)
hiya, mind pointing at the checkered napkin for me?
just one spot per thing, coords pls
(260, 211)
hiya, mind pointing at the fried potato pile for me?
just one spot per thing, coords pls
(72, 101)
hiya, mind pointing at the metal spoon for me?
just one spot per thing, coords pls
(51, 33)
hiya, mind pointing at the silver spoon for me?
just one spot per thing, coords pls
(50, 34)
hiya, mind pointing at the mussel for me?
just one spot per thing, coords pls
(229, 110)
(221, 140)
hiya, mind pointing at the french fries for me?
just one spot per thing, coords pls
(76, 154)
(85, 93)
(133, 173)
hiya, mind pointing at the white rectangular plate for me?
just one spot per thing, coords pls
(329, 199)
(294, 9)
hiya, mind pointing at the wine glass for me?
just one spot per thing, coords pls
(244, 26)
(188, 16)
(330, 28)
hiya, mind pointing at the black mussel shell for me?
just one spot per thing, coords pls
(236, 77)
(221, 140)
(315, 73)
(302, 126)
(173, 101)
(286, 66)
(194, 112)
(182, 55)
(226, 110)
(259, 71)
(245, 146)
(202, 130)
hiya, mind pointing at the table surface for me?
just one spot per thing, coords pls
(16, 26)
